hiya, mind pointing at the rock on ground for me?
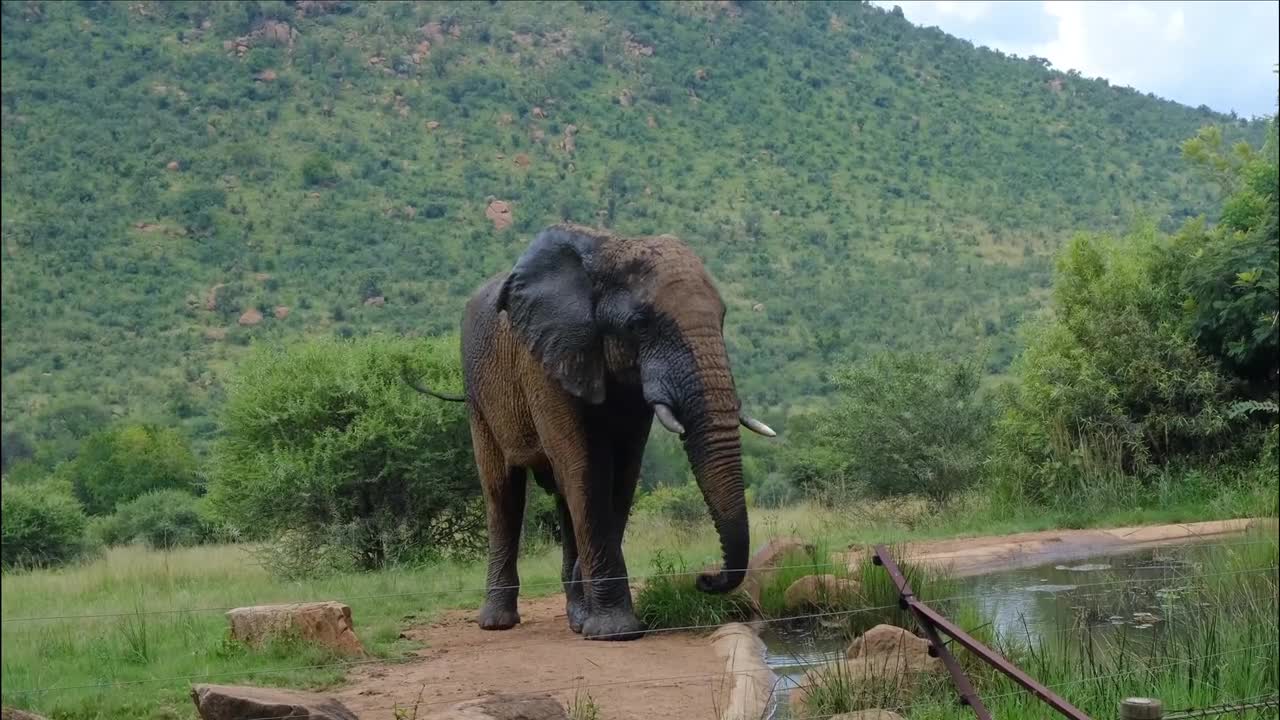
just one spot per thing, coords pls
(231, 702)
(868, 715)
(16, 714)
(819, 591)
(768, 557)
(504, 707)
(323, 623)
(892, 646)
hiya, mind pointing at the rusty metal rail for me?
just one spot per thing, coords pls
(931, 622)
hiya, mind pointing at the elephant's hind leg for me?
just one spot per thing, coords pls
(504, 491)
(570, 573)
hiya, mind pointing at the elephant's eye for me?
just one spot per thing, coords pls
(637, 321)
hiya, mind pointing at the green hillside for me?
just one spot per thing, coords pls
(171, 170)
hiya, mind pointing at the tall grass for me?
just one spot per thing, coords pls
(168, 621)
(1218, 644)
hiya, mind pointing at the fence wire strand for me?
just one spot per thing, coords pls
(557, 583)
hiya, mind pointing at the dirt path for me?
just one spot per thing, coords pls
(647, 678)
(669, 675)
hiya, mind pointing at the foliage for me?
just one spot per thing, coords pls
(161, 518)
(1231, 279)
(541, 519)
(325, 442)
(681, 505)
(1110, 385)
(669, 599)
(121, 463)
(43, 525)
(901, 424)
(960, 171)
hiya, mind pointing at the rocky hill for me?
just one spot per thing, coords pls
(183, 179)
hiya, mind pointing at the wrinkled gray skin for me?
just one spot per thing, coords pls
(565, 360)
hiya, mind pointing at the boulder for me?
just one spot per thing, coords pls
(504, 707)
(521, 160)
(769, 557)
(231, 702)
(499, 212)
(211, 297)
(569, 144)
(16, 714)
(892, 647)
(215, 334)
(173, 166)
(819, 591)
(323, 623)
(250, 317)
(432, 125)
(281, 312)
(538, 112)
(267, 75)
(375, 301)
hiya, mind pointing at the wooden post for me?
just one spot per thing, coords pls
(1141, 709)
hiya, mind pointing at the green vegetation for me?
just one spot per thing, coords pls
(869, 184)
(161, 519)
(1219, 645)
(117, 465)
(43, 525)
(328, 448)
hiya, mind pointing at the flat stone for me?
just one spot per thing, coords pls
(327, 624)
(233, 702)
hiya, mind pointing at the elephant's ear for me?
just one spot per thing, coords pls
(548, 299)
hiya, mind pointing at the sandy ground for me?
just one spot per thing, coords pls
(668, 675)
(663, 675)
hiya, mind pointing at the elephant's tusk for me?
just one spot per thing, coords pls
(667, 419)
(756, 426)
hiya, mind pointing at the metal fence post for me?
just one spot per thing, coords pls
(1141, 709)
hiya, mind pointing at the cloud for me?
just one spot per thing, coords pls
(1219, 54)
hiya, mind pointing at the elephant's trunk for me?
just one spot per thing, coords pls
(714, 446)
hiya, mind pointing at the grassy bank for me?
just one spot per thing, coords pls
(166, 627)
(1217, 645)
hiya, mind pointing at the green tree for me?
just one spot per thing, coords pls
(1231, 280)
(42, 525)
(160, 518)
(318, 169)
(902, 424)
(326, 446)
(119, 464)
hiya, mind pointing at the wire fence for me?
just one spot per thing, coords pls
(344, 664)
(927, 557)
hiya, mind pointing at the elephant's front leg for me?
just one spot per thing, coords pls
(609, 612)
(575, 606)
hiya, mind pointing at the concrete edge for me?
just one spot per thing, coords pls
(749, 679)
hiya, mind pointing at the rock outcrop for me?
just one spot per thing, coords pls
(323, 623)
(499, 212)
(504, 707)
(894, 649)
(232, 702)
(250, 317)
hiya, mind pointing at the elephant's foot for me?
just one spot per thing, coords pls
(576, 609)
(498, 615)
(612, 625)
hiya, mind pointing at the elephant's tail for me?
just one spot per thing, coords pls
(404, 373)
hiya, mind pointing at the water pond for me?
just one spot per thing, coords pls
(1137, 593)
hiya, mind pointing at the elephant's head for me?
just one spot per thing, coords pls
(591, 305)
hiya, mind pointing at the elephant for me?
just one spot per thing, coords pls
(566, 360)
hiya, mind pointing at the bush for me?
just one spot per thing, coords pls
(317, 170)
(1110, 383)
(682, 505)
(324, 443)
(117, 465)
(43, 525)
(162, 519)
(901, 424)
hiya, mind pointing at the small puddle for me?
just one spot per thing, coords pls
(1022, 605)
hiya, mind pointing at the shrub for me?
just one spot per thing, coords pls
(903, 424)
(682, 505)
(669, 599)
(119, 464)
(324, 443)
(318, 169)
(43, 525)
(1110, 383)
(162, 519)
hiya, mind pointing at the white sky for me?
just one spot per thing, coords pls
(1220, 54)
